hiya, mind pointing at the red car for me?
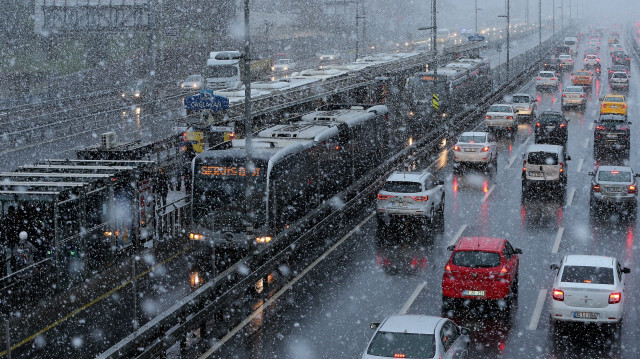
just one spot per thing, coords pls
(481, 268)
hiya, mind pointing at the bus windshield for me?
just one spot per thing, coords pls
(219, 198)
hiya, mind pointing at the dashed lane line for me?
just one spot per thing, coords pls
(457, 235)
(571, 194)
(537, 311)
(513, 159)
(586, 142)
(412, 298)
(259, 311)
(556, 244)
(580, 165)
(488, 193)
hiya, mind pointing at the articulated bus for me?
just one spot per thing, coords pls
(296, 166)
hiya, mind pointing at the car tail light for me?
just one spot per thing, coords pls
(564, 95)
(582, 95)
(553, 79)
(537, 124)
(624, 106)
(628, 59)
(604, 105)
(539, 78)
(558, 295)
(488, 117)
(563, 125)
(596, 188)
(447, 269)
(485, 149)
(456, 148)
(399, 355)
(561, 168)
(524, 166)
(420, 198)
(384, 196)
(633, 189)
(509, 117)
(615, 298)
(503, 271)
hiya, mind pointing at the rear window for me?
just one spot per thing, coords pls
(614, 176)
(546, 74)
(542, 158)
(495, 108)
(569, 42)
(402, 187)
(619, 76)
(573, 89)
(402, 345)
(613, 99)
(585, 274)
(476, 259)
(472, 139)
(550, 118)
(521, 99)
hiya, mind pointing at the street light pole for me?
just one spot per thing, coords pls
(553, 17)
(508, 16)
(247, 122)
(539, 22)
(562, 14)
(476, 16)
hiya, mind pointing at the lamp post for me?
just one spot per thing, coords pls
(247, 121)
(508, 16)
(434, 49)
(539, 22)
(553, 17)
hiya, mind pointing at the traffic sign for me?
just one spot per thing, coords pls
(435, 101)
(476, 37)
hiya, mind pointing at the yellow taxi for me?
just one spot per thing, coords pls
(612, 103)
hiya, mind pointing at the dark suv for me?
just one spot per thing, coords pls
(551, 128)
(612, 132)
(620, 58)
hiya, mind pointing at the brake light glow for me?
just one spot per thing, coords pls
(384, 196)
(615, 298)
(537, 124)
(558, 295)
(561, 168)
(509, 117)
(420, 198)
(582, 95)
(503, 271)
(456, 148)
(604, 105)
(563, 125)
(524, 166)
(488, 117)
(624, 106)
(398, 355)
(485, 149)
(615, 172)
(596, 188)
(539, 78)
(553, 79)
(564, 95)
(633, 189)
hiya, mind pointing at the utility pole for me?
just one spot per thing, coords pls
(553, 17)
(526, 15)
(562, 14)
(508, 16)
(539, 22)
(570, 11)
(358, 17)
(476, 16)
(248, 166)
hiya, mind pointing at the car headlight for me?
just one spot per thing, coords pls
(123, 95)
(285, 68)
(182, 85)
(273, 68)
(195, 86)
(137, 94)
(264, 239)
(196, 236)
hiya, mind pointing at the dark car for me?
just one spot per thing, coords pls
(612, 132)
(552, 64)
(562, 50)
(620, 58)
(617, 68)
(551, 128)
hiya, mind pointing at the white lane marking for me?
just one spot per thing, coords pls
(412, 298)
(488, 193)
(264, 305)
(513, 159)
(457, 235)
(556, 244)
(571, 194)
(580, 165)
(537, 311)
(591, 126)
(586, 142)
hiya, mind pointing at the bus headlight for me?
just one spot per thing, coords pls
(108, 233)
(265, 239)
(196, 236)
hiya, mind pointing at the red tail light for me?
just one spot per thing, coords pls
(503, 271)
(420, 198)
(633, 189)
(615, 298)
(398, 355)
(563, 125)
(624, 106)
(524, 166)
(509, 117)
(596, 188)
(539, 78)
(485, 149)
(384, 197)
(582, 95)
(600, 127)
(537, 124)
(456, 148)
(553, 79)
(604, 105)
(564, 95)
(561, 168)
(558, 295)
(487, 117)
(447, 269)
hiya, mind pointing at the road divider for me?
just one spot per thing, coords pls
(580, 163)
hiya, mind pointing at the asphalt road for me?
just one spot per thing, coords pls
(326, 313)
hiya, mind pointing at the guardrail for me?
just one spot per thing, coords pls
(195, 310)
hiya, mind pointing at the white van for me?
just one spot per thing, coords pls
(544, 164)
(572, 43)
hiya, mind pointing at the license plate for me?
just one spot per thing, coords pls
(535, 174)
(398, 204)
(612, 135)
(585, 315)
(550, 127)
(473, 293)
(614, 189)
(469, 150)
(613, 106)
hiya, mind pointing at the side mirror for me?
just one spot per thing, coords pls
(374, 325)
(601, 99)
(626, 270)
(593, 174)
(465, 331)
(440, 183)
(517, 251)
(637, 175)
(451, 248)
(554, 266)
(568, 158)
(629, 123)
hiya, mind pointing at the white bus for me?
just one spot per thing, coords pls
(572, 43)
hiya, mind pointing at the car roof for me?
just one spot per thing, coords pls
(548, 72)
(544, 148)
(406, 176)
(474, 133)
(490, 244)
(615, 168)
(410, 323)
(588, 260)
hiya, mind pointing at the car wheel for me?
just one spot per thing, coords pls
(448, 304)
(381, 223)
(515, 285)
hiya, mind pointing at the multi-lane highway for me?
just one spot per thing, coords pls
(327, 311)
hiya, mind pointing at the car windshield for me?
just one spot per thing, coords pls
(472, 138)
(614, 176)
(499, 108)
(402, 187)
(587, 274)
(550, 118)
(613, 99)
(402, 345)
(565, 57)
(476, 259)
(618, 68)
(542, 158)
(282, 62)
(193, 78)
(521, 99)
(573, 89)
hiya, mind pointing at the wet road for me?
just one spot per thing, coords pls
(327, 312)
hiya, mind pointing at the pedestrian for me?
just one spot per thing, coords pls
(162, 185)
(187, 156)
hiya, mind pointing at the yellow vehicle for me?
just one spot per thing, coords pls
(615, 104)
(195, 138)
(582, 78)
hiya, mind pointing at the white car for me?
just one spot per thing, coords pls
(411, 194)
(543, 165)
(547, 79)
(283, 65)
(619, 81)
(525, 105)
(476, 147)
(590, 60)
(330, 56)
(588, 289)
(566, 62)
(614, 185)
(501, 117)
(193, 82)
(574, 96)
(418, 336)
(616, 47)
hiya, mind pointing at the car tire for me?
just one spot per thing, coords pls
(381, 223)
(515, 284)
(448, 304)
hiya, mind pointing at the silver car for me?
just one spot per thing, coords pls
(418, 336)
(614, 185)
(525, 105)
(574, 96)
(619, 81)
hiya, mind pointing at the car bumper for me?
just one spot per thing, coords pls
(613, 199)
(387, 213)
(579, 101)
(524, 113)
(500, 123)
(612, 313)
(619, 86)
(545, 84)
(493, 290)
(473, 157)
(613, 112)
